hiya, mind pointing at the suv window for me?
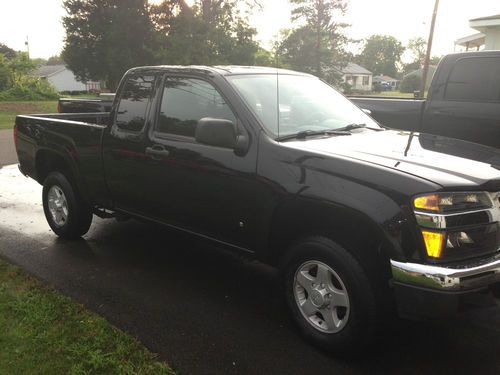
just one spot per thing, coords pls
(475, 79)
(134, 103)
(187, 100)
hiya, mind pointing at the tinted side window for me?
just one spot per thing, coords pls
(134, 103)
(187, 100)
(475, 79)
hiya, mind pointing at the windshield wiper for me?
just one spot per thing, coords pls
(359, 126)
(308, 133)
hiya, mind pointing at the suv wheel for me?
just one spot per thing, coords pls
(68, 215)
(330, 297)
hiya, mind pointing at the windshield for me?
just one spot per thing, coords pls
(305, 104)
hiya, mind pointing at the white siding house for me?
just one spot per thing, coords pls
(488, 36)
(63, 79)
(357, 77)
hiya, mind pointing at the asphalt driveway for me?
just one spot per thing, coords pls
(206, 311)
(7, 149)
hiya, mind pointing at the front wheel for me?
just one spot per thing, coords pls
(68, 215)
(330, 297)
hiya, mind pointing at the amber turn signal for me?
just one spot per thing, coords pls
(434, 242)
(427, 202)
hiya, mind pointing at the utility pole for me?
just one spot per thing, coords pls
(27, 44)
(425, 71)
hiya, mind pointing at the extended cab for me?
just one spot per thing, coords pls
(280, 167)
(463, 101)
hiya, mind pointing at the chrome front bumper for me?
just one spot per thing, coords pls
(476, 275)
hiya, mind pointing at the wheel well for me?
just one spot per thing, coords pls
(47, 162)
(355, 232)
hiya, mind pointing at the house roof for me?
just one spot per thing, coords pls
(49, 70)
(497, 16)
(386, 78)
(476, 40)
(353, 68)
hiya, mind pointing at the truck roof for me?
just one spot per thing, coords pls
(219, 69)
(489, 53)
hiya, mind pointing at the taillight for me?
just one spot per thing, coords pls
(59, 107)
(15, 137)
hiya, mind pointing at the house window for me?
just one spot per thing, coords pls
(366, 80)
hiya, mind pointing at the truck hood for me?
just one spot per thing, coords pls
(445, 161)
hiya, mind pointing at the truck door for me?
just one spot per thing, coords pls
(201, 188)
(468, 106)
(124, 144)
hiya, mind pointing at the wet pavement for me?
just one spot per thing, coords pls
(206, 311)
(7, 149)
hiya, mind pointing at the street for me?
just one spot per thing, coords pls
(206, 311)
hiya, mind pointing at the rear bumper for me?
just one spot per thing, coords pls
(427, 291)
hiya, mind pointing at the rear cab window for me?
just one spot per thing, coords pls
(475, 79)
(135, 102)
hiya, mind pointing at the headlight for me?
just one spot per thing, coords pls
(458, 225)
(452, 202)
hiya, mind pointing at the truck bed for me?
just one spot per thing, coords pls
(73, 138)
(396, 113)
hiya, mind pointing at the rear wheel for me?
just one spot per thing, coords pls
(330, 297)
(68, 215)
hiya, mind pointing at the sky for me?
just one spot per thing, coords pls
(40, 21)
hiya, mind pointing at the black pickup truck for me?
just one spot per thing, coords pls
(280, 167)
(463, 101)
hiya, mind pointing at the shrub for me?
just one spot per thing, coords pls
(29, 88)
(410, 83)
(377, 87)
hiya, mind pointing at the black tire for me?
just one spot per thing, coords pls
(79, 213)
(358, 330)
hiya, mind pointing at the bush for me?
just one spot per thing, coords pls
(27, 88)
(345, 88)
(410, 83)
(377, 87)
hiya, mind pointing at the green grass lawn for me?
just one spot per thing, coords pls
(9, 110)
(45, 332)
(394, 93)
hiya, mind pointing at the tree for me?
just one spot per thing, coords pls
(104, 38)
(17, 81)
(417, 46)
(381, 55)
(7, 52)
(435, 60)
(5, 73)
(209, 32)
(264, 58)
(55, 60)
(318, 45)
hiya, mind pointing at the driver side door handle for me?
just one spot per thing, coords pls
(157, 152)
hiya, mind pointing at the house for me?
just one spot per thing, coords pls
(63, 79)
(387, 82)
(488, 36)
(357, 77)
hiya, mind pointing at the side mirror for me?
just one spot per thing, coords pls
(216, 132)
(367, 111)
